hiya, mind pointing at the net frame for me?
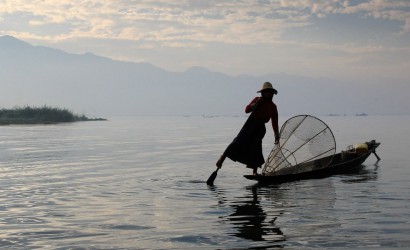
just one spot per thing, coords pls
(282, 159)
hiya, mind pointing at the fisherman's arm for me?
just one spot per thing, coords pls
(251, 106)
(275, 125)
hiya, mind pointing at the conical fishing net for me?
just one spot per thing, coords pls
(306, 143)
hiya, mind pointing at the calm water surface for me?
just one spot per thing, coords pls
(139, 183)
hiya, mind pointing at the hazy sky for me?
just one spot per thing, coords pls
(325, 38)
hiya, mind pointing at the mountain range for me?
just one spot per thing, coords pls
(99, 86)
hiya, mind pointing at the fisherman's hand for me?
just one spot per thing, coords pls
(277, 139)
(253, 107)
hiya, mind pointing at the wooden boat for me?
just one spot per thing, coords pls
(340, 163)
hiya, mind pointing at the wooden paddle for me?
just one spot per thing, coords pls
(211, 178)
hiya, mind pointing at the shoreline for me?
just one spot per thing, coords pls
(40, 115)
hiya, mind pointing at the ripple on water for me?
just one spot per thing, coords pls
(137, 184)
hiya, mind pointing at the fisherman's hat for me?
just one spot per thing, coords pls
(266, 86)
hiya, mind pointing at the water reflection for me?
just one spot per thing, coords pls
(270, 215)
(259, 215)
(251, 222)
(362, 174)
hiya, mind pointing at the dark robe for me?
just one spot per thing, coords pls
(246, 148)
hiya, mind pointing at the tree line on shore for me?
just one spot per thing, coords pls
(40, 115)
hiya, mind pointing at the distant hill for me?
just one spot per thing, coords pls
(99, 86)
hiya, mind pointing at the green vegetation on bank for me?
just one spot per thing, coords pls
(40, 115)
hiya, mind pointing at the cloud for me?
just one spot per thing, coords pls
(381, 9)
(198, 21)
(155, 25)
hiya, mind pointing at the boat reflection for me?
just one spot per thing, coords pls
(363, 174)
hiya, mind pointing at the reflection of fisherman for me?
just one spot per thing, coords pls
(247, 146)
(252, 228)
(250, 216)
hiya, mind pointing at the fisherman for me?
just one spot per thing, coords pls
(246, 148)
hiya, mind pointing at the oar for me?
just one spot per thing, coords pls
(211, 178)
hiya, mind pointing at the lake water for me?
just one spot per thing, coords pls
(139, 183)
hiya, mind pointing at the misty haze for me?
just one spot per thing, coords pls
(99, 86)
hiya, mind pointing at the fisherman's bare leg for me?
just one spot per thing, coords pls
(255, 170)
